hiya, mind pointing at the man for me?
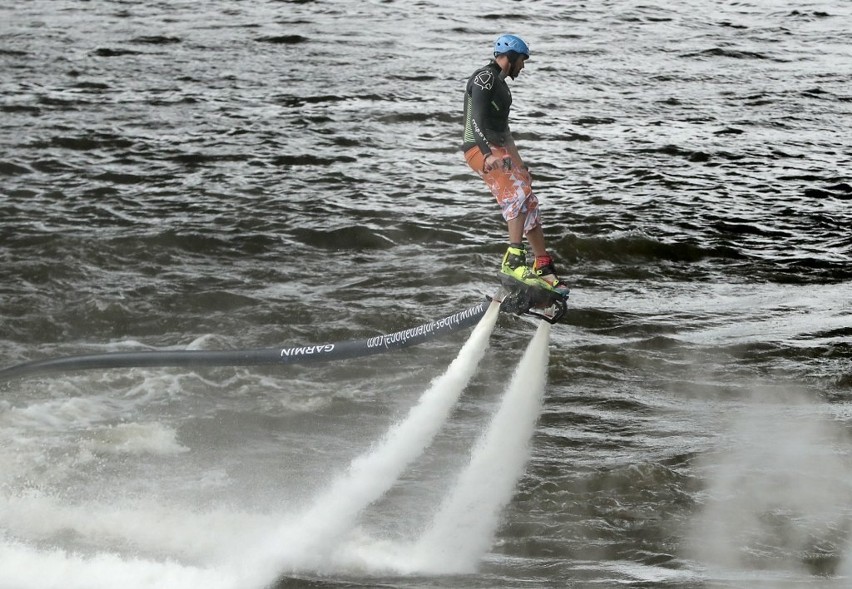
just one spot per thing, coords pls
(490, 150)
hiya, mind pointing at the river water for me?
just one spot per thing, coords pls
(229, 175)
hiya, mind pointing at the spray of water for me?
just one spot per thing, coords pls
(464, 526)
(779, 491)
(309, 540)
(320, 538)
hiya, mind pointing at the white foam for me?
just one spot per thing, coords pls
(134, 438)
(22, 567)
(59, 414)
(138, 526)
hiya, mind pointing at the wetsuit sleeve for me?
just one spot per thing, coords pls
(481, 91)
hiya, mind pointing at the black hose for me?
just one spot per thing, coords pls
(255, 357)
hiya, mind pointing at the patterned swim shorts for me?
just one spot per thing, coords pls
(510, 185)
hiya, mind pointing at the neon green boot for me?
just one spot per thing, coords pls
(515, 266)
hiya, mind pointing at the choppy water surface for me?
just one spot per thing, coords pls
(223, 175)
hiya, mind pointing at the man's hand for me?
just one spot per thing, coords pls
(492, 162)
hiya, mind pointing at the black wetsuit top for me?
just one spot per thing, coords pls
(486, 109)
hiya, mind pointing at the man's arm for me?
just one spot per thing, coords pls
(481, 92)
(513, 149)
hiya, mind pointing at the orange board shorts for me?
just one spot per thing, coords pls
(511, 185)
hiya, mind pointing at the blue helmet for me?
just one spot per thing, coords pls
(507, 43)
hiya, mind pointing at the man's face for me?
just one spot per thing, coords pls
(517, 67)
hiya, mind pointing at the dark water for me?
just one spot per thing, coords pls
(222, 175)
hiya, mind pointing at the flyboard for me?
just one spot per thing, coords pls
(514, 297)
(521, 299)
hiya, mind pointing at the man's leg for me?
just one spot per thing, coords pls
(543, 266)
(536, 239)
(516, 228)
